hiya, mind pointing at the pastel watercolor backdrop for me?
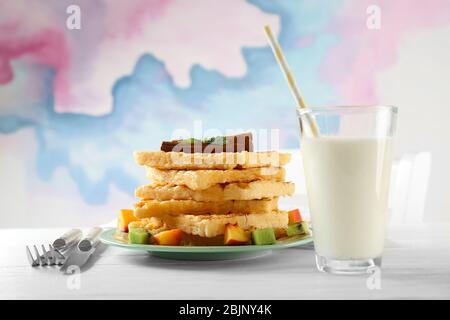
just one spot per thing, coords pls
(74, 104)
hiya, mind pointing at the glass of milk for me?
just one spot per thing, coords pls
(347, 170)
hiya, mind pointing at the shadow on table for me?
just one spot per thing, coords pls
(269, 260)
(96, 255)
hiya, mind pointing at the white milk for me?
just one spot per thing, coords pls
(347, 181)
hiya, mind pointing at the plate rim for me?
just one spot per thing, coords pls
(106, 238)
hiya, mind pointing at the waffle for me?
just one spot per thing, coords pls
(220, 192)
(214, 225)
(222, 161)
(204, 179)
(155, 208)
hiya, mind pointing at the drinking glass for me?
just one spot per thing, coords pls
(347, 161)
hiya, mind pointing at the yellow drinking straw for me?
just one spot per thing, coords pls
(289, 77)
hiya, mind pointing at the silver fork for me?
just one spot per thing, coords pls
(57, 252)
(48, 257)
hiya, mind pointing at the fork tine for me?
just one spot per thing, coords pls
(59, 257)
(44, 255)
(54, 256)
(32, 261)
(37, 255)
(50, 256)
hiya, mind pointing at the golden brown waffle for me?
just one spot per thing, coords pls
(154, 208)
(214, 225)
(220, 192)
(203, 179)
(222, 161)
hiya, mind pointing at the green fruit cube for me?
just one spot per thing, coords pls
(297, 228)
(138, 236)
(263, 236)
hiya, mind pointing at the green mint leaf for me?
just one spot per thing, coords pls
(190, 140)
(215, 140)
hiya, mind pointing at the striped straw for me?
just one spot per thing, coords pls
(289, 77)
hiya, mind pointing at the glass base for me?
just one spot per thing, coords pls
(348, 267)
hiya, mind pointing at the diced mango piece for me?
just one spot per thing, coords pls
(280, 232)
(125, 217)
(294, 216)
(138, 236)
(235, 235)
(169, 238)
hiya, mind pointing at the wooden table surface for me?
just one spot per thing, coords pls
(416, 264)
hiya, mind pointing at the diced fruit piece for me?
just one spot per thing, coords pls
(263, 236)
(297, 228)
(280, 233)
(305, 227)
(235, 235)
(169, 238)
(125, 217)
(138, 236)
(294, 216)
(121, 236)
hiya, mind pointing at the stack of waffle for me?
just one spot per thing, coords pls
(200, 193)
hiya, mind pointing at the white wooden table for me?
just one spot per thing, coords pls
(416, 265)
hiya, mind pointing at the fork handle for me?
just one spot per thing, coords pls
(67, 239)
(91, 239)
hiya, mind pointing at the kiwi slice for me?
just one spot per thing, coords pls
(138, 236)
(263, 236)
(297, 228)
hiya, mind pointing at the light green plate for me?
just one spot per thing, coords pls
(205, 252)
